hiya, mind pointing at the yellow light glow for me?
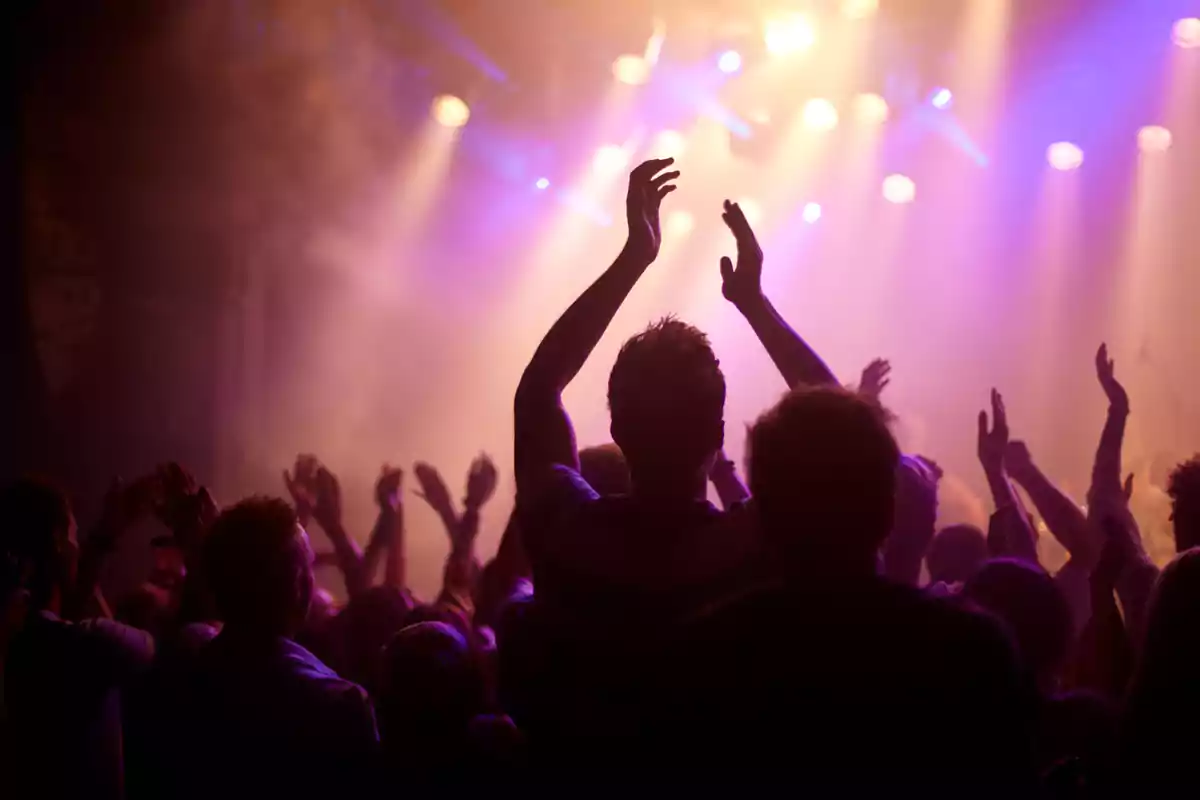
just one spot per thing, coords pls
(870, 109)
(1154, 139)
(610, 159)
(820, 115)
(1064, 156)
(760, 116)
(899, 189)
(1186, 32)
(680, 223)
(450, 111)
(789, 33)
(632, 70)
(751, 209)
(669, 144)
(859, 9)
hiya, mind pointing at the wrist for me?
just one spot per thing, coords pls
(635, 256)
(751, 304)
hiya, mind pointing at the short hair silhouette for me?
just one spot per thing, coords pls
(666, 394)
(259, 566)
(1184, 489)
(823, 474)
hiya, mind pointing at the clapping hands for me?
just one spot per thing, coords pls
(315, 491)
(433, 490)
(741, 284)
(481, 481)
(994, 441)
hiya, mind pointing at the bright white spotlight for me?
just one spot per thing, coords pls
(1154, 139)
(789, 33)
(543, 183)
(1186, 32)
(610, 159)
(870, 109)
(450, 111)
(751, 210)
(1064, 156)
(680, 223)
(632, 70)
(669, 144)
(942, 98)
(812, 212)
(820, 115)
(729, 62)
(899, 189)
(859, 9)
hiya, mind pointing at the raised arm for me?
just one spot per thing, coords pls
(1106, 469)
(388, 536)
(1009, 532)
(316, 490)
(462, 569)
(742, 285)
(543, 433)
(1066, 521)
(1108, 498)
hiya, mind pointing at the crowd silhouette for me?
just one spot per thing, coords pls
(815, 631)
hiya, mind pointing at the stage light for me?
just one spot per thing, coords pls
(899, 189)
(788, 33)
(1154, 139)
(450, 111)
(669, 144)
(729, 62)
(760, 116)
(870, 108)
(1064, 156)
(751, 210)
(812, 212)
(942, 98)
(859, 9)
(820, 114)
(610, 159)
(543, 183)
(680, 223)
(1186, 32)
(632, 70)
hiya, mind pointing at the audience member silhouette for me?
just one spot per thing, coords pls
(881, 684)
(262, 713)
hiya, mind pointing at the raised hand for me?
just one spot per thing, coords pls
(993, 443)
(433, 489)
(300, 483)
(648, 185)
(875, 378)
(1117, 396)
(387, 488)
(327, 493)
(1018, 460)
(481, 481)
(743, 283)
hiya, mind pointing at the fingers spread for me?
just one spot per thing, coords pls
(647, 169)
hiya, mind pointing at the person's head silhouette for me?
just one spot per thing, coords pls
(666, 394)
(823, 478)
